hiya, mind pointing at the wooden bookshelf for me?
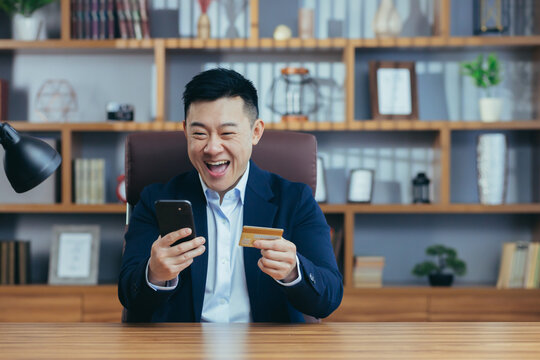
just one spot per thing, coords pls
(409, 303)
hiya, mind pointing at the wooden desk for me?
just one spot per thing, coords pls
(238, 341)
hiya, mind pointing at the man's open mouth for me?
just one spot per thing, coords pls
(217, 167)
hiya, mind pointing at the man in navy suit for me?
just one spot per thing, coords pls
(211, 278)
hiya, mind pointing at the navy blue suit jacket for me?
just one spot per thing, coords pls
(270, 201)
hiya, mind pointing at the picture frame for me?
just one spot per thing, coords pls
(393, 90)
(74, 256)
(321, 193)
(360, 189)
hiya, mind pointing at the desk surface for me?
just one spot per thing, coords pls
(238, 341)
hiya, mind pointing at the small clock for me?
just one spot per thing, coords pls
(121, 188)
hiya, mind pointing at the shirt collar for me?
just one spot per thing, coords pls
(240, 186)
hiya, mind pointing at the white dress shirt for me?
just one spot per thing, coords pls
(226, 297)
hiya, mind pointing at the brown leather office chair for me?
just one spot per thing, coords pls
(158, 156)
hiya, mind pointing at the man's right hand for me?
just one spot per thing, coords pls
(167, 262)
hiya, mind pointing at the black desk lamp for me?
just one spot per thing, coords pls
(28, 161)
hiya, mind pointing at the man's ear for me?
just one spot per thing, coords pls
(184, 128)
(258, 130)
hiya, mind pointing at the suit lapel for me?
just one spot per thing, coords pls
(258, 211)
(193, 192)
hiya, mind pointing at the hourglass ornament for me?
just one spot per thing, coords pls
(233, 8)
(294, 95)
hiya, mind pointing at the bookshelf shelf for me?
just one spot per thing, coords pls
(326, 208)
(269, 43)
(62, 209)
(356, 125)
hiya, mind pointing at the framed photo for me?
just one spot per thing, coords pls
(74, 255)
(360, 186)
(321, 193)
(392, 86)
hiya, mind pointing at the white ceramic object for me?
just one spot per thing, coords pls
(490, 109)
(387, 22)
(27, 28)
(491, 165)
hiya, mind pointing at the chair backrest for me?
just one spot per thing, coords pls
(158, 156)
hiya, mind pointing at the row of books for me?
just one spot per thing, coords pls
(368, 271)
(107, 19)
(520, 265)
(336, 237)
(89, 176)
(14, 262)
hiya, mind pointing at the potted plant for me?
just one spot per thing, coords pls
(26, 26)
(486, 75)
(446, 259)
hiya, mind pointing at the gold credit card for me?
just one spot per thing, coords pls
(252, 233)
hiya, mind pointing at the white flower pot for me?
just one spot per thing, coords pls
(26, 28)
(490, 109)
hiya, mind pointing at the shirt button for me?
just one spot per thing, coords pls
(224, 261)
(222, 301)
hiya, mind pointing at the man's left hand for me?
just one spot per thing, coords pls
(278, 259)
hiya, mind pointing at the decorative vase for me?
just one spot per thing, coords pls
(203, 26)
(441, 279)
(387, 22)
(491, 165)
(490, 109)
(26, 28)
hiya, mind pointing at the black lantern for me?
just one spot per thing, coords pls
(27, 160)
(421, 189)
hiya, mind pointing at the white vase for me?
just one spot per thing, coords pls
(491, 165)
(387, 22)
(26, 28)
(490, 109)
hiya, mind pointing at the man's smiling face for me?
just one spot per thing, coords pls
(220, 140)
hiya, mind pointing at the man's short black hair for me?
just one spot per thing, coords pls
(217, 83)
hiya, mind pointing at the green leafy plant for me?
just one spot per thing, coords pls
(446, 258)
(485, 73)
(23, 7)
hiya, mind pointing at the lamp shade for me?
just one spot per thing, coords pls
(27, 161)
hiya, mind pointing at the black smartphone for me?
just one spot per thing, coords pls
(174, 215)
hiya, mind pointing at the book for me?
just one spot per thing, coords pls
(74, 20)
(102, 19)
(145, 26)
(122, 25)
(506, 264)
(530, 266)
(136, 16)
(517, 272)
(3, 263)
(368, 271)
(110, 19)
(4, 88)
(94, 15)
(87, 14)
(23, 262)
(129, 19)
